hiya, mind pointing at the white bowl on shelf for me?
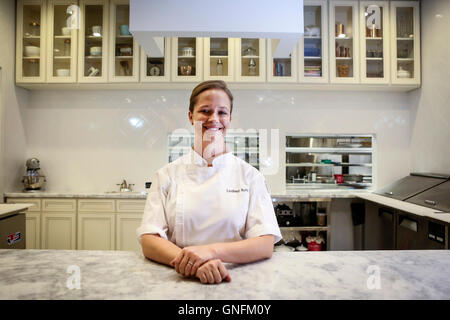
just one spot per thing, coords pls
(32, 51)
(63, 72)
(66, 31)
(96, 51)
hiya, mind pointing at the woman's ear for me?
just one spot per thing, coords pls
(190, 118)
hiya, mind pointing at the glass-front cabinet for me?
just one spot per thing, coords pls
(218, 58)
(156, 68)
(329, 161)
(282, 69)
(62, 35)
(30, 41)
(93, 52)
(251, 60)
(187, 61)
(374, 33)
(313, 64)
(405, 42)
(123, 49)
(344, 41)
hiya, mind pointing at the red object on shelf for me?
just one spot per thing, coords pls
(339, 178)
(314, 246)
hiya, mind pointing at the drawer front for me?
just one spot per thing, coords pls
(96, 205)
(59, 205)
(36, 202)
(130, 206)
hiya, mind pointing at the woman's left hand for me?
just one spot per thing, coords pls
(191, 258)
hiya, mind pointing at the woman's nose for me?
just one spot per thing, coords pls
(214, 116)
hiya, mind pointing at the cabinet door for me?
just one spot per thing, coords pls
(62, 35)
(33, 230)
(379, 227)
(96, 231)
(250, 60)
(156, 69)
(127, 223)
(344, 42)
(218, 58)
(187, 63)
(123, 49)
(313, 50)
(93, 41)
(30, 41)
(58, 230)
(411, 232)
(36, 202)
(405, 42)
(281, 69)
(374, 33)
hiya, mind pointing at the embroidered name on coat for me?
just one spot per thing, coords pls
(237, 190)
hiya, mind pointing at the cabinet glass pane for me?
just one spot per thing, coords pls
(123, 66)
(344, 41)
(187, 56)
(62, 42)
(93, 41)
(374, 46)
(218, 54)
(31, 40)
(155, 65)
(405, 42)
(250, 57)
(313, 41)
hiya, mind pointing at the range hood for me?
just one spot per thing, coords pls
(152, 20)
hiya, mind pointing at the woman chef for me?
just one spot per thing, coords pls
(208, 207)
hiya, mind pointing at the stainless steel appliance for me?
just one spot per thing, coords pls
(12, 231)
(33, 180)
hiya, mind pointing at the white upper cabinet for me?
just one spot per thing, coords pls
(123, 49)
(251, 60)
(374, 40)
(281, 69)
(156, 69)
(313, 61)
(218, 58)
(30, 41)
(344, 41)
(405, 42)
(187, 54)
(62, 36)
(93, 41)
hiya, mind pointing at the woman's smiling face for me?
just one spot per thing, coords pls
(212, 111)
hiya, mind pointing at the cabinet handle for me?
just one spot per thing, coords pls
(433, 203)
(389, 193)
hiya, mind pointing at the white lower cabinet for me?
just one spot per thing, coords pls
(33, 230)
(126, 226)
(59, 230)
(96, 231)
(83, 224)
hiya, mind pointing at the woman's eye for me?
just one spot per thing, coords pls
(223, 113)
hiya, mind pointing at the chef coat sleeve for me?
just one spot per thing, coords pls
(154, 220)
(261, 219)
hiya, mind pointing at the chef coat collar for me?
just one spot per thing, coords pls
(196, 159)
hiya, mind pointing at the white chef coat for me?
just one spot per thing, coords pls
(190, 203)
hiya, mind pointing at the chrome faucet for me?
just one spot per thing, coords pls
(124, 187)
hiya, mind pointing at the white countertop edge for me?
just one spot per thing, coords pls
(407, 207)
(6, 208)
(291, 195)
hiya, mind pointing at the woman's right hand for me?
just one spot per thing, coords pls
(213, 271)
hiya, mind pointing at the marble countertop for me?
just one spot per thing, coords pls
(407, 207)
(8, 209)
(53, 274)
(288, 196)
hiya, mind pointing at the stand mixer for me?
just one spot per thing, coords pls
(33, 181)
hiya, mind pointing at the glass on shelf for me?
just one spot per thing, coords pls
(187, 50)
(250, 57)
(30, 67)
(218, 53)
